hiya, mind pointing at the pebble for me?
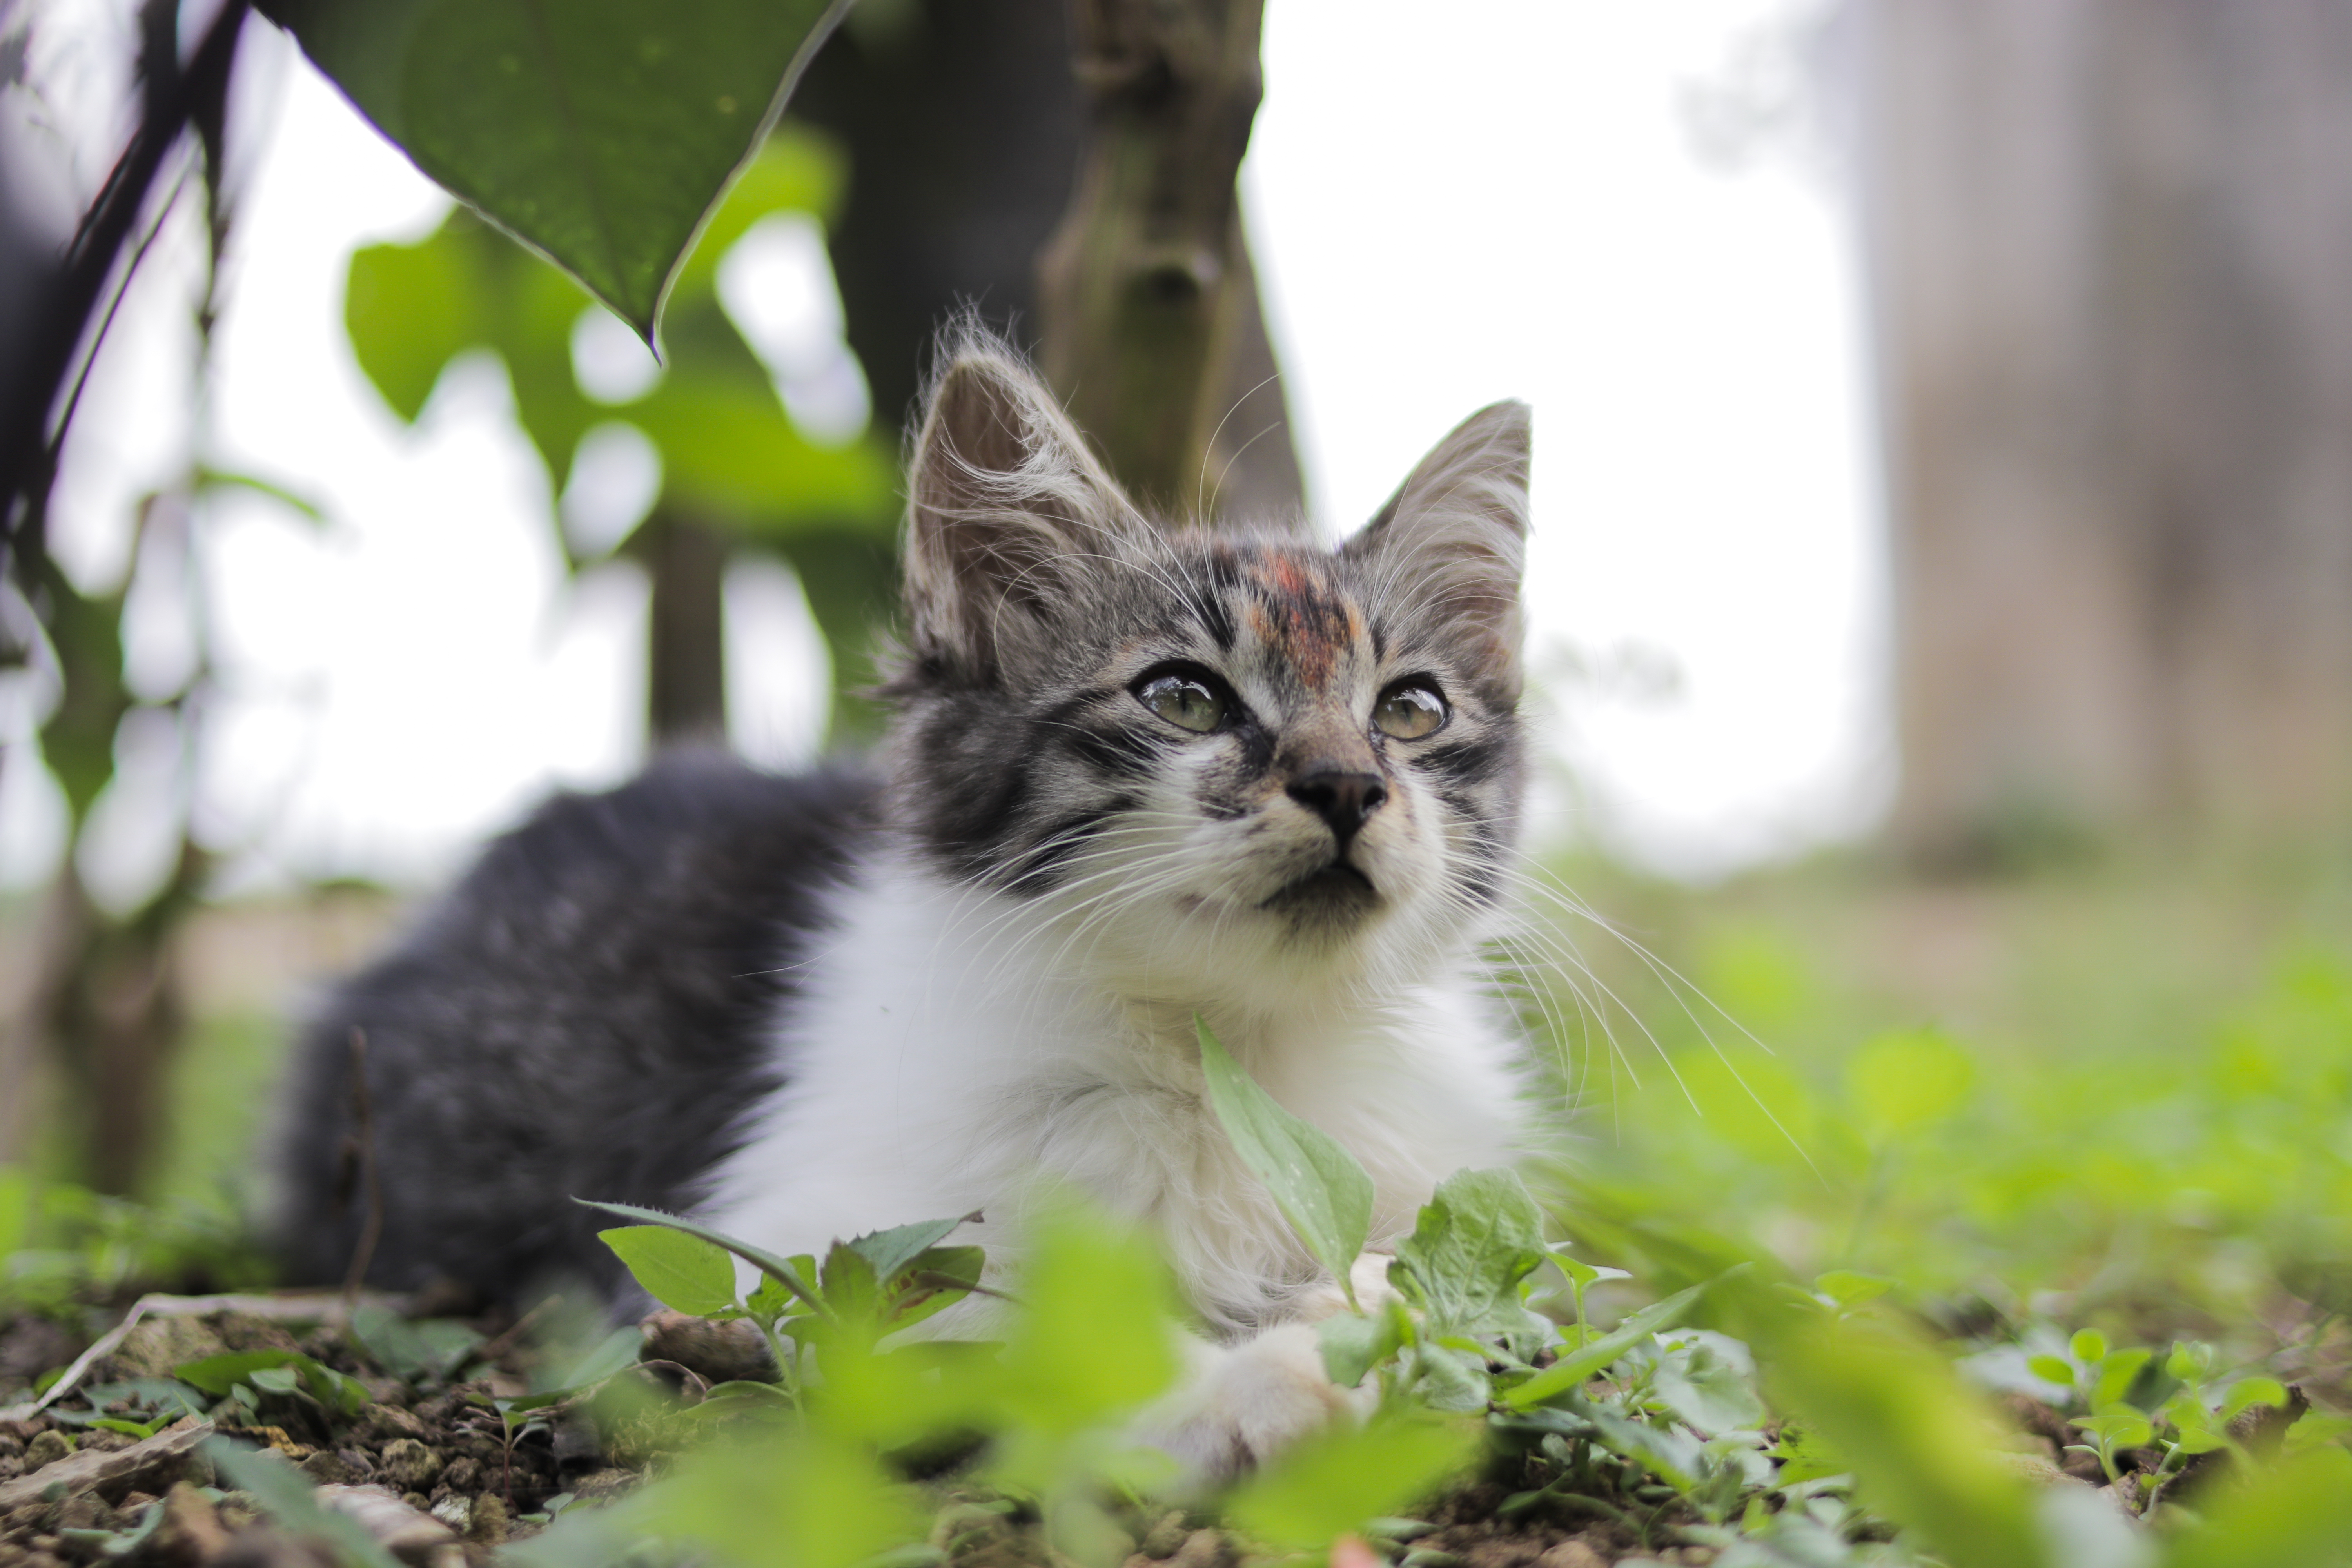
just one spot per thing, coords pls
(409, 1465)
(46, 1448)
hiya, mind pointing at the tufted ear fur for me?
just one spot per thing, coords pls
(1008, 512)
(1452, 541)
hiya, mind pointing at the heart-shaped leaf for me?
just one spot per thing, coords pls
(601, 132)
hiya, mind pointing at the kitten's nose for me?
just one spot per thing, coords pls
(1340, 798)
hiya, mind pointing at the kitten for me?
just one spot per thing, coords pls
(1135, 773)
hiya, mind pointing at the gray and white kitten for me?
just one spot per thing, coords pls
(1135, 773)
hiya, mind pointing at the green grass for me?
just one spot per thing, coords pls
(2119, 1096)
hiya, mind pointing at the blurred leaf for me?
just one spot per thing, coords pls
(286, 1494)
(434, 1347)
(730, 451)
(1476, 1238)
(2297, 1514)
(2117, 1374)
(682, 1272)
(1920, 1447)
(2089, 1346)
(806, 1500)
(1900, 1083)
(2051, 1369)
(1332, 1484)
(2249, 1391)
(1090, 1343)
(208, 478)
(1320, 1187)
(1849, 1290)
(730, 448)
(1354, 1343)
(16, 1214)
(602, 133)
(1705, 1379)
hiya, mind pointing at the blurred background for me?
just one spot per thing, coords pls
(1944, 508)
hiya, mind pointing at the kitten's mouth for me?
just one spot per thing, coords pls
(1337, 889)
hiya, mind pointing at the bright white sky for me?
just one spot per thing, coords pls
(1509, 204)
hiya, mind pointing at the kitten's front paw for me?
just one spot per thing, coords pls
(1243, 1403)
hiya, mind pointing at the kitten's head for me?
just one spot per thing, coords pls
(1227, 759)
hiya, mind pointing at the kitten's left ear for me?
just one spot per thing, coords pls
(1452, 541)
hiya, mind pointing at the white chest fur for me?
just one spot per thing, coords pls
(952, 1050)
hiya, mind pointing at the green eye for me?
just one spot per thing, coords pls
(1186, 703)
(1409, 710)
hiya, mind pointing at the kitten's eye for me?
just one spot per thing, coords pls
(1184, 701)
(1409, 710)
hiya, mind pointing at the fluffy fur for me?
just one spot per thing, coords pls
(806, 1011)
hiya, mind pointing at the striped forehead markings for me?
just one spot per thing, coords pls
(1301, 615)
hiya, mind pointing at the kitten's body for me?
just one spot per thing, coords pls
(1136, 774)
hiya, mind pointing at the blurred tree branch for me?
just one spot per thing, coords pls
(1150, 305)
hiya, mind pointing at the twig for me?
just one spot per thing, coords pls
(310, 1306)
(61, 319)
(372, 1227)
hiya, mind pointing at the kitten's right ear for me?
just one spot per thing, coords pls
(1007, 511)
(1453, 539)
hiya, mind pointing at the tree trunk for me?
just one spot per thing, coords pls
(1150, 307)
(686, 676)
(2109, 242)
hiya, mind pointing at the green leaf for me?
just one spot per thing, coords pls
(1355, 1343)
(2190, 1360)
(1332, 1484)
(1479, 1234)
(2249, 1391)
(217, 1374)
(810, 1500)
(932, 1282)
(2089, 1346)
(767, 1263)
(1447, 1377)
(606, 1356)
(1090, 1344)
(2051, 1369)
(1901, 1083)
(1317, 1186)
(1920, 1446)
(771, 1301)
(1581, 1274)
(1572, 1369)
(2117, 1374)
(2121, 1427)
(2295, 1515)
(1849, 1290)
(684, 1273)
(849, 1285)
(1702, 1379)
(285, 1492)
(601, 132)
(891, 1251)
(434, 1347)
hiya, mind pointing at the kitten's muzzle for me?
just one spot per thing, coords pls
(1341, 798)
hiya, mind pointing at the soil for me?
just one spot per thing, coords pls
(427, 1469)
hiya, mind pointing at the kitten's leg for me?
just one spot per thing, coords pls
(1241, 1404)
